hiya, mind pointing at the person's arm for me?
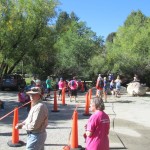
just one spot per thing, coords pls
(20, 125)
(97, 83)
(90, 128)
(69, 84)
(77, 84)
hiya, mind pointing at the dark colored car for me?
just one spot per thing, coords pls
(12, 82)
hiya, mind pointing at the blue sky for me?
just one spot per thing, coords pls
(104, 16)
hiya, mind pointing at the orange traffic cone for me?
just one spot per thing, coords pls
(90, 95)
(74, 134)
(63, 96)
(86, 113)
(15, 133)
(55, 103)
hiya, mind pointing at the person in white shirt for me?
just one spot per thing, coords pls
(36, 122)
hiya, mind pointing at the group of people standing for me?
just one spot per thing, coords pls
(98, 125)
(96, 129)
(104, 84)
(37, 120)
(71, 86)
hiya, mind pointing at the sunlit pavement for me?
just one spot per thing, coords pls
(130, 123)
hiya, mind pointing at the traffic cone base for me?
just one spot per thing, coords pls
(86, 114)
(64, 104)
(55, 111)
(79, 148)
(19, 144)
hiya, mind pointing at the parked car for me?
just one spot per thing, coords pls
(12, 81)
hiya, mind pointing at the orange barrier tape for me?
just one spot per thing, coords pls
(13, 111)
(24, 105)
(6, 115)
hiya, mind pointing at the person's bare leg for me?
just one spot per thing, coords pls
(70, 98)
(105, 96)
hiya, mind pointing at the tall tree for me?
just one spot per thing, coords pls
(22, 28)
(76, 47)
(130, 51)
(110, 37)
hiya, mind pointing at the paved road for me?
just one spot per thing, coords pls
(130, 124)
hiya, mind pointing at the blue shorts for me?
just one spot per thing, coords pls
(36, 141)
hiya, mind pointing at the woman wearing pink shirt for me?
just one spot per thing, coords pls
(97, 128)
(61, 85)
(73, 85)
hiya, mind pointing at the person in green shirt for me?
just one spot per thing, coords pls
(48, 85)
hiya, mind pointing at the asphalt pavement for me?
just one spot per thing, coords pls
(130, 124)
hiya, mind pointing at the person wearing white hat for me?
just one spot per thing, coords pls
(36, 122)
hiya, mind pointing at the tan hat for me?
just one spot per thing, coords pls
(34, 90)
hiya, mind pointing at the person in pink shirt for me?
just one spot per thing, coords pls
(61, 85)
(73, 85)
(97, 128)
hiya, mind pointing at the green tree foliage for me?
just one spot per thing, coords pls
(135, 18)
(23, 27)
(62, 22)
(68, 46)
(130, 51)
(74, 17)
(111, 37)
(75, 46)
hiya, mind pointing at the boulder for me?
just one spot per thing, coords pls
(136, 89)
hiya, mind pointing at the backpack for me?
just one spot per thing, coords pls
(101, 84)
(72, 83)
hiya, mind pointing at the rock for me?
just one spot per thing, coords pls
(147, 89)
(136, 89)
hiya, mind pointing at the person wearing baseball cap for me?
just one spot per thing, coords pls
(36, 122)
